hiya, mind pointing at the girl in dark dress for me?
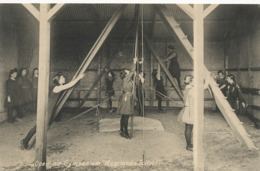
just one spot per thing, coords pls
(25, 96)
(110, 78)
(159, 88)
(174, 67)
(34, 89)
(11, 101)
(59, 86)
(125, 106)
(222, 83)
(140, 94)
(234, 94)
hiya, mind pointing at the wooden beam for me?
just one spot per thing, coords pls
(101, 39)
(92, 53)
(209, 9)
(43, 89)
(174, 26)
(32, 10)
(168, 74)
(54, 11)
(187, 9)
(222, 103)
(198, 34)
(94, 84)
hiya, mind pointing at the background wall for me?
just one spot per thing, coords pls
(67, 56)
(8, 51)
(244, 56)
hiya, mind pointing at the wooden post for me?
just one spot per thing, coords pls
(198, 30)
(43, 90)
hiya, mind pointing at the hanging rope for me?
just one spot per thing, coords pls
(142, 21)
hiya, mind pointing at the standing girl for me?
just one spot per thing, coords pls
(11, 101)
(159, 88)
(34, 89)
(187, 113)
(110, 78)
(25, 96)
(125, 106)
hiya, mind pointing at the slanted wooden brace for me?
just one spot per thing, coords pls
(222, 103)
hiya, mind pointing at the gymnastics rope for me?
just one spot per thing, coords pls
(142, 91)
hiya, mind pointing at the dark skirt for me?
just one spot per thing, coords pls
(125, 106)
(110, 93)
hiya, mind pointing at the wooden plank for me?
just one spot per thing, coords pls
(174, 26)
(173, 81)
(43, 90)
(54, 11)
(187, 9)
(209, 9)
(32, 10)
(92, 53)
(231, 117)
(107, 65)
(235, 125)
(198, 34)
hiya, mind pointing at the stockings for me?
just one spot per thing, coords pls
(160, 103)
(188, 134)
(124, 124)
(109, 103)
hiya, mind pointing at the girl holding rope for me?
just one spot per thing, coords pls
(158, 84)
(125, 106)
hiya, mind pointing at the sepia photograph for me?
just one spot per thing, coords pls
(129, 86)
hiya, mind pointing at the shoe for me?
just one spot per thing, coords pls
(127, 136)
(253, 124)
(11, 122)
(121, 134)
(161, 111)
(23, 146)
(189, 148)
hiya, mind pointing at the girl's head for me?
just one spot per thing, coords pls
(59, 79)
(220, 74)
(35, 72)
(124, 73)
(231, 78)
(154, 73)
(188, 79)
(23, 72)
(13, 73)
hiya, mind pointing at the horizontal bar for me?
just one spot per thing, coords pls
(247, 90)
(243, 69)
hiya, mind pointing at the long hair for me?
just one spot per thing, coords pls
(34, 71)
(191, 79)
(232, 77)
(21, 70)
(123, 73)
(12, 71)
(56, 78)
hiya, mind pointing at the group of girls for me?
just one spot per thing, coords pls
(21, 93)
